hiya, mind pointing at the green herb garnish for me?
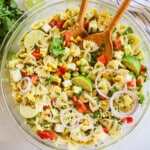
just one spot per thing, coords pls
(9, 13)
(49, 79)
(96, 114)
(102, 47)
(141, 98)
(56, 46)
(94, 56)
(128, 31)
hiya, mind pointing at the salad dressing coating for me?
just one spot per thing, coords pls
(68, 105)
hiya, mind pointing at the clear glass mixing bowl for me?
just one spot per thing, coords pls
(10, 47)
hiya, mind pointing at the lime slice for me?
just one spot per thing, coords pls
(31, 3)
(33, 37)
(83, 82)
(132, 63)
(27, 112)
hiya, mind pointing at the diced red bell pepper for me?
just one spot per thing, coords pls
(61, 70)
(117, 44)
(105, 130)
(86, 25)
(36, 53)
(75, 98)
(143, 70)
(123, 120)
(101, 97)
(47, 135)
(59, 73)
(131, 83)
(46, 107)
(102, 59)
(53, 23)
(24, 74)
(34, 78)
(129, 119)
(139, 81)
(60, 24)
(67, 37)
(81, 107)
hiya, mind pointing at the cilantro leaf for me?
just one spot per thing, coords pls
(9, 13)
(128, 31)
(56, 47)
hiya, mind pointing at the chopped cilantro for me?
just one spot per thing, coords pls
(49, 79)
(96, 114)
(141, 98)
(94, 56)
(9, 13)
(102, 47)
(56, 46)
(128, 31)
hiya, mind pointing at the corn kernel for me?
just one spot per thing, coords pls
(78, 63)
(56, 79)
(43, 52)
(33, 106)
(32, 100)
(52, 64)
(66, 88)
(105, 103)
(72, 39)
(72, 51)
(78, 39)
(14, 87)
(46, 68)
(67, 75)
(64, 43)
(85, 122)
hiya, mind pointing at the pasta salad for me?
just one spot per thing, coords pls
(68, 93)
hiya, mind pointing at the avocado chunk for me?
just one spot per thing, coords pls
(132, 63)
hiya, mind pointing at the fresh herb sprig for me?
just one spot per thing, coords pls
(9, 13)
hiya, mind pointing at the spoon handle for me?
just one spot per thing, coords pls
(118, 15)
(82, 12)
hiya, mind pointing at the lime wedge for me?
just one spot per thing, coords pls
(32, 37)
(132, 63)
(31, 3)
(83, 82)
(27, 112)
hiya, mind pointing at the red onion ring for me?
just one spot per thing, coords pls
(124, 115)
(75, 122)
(96, 82)
(28, 85)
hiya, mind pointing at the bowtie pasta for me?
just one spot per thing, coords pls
(69, 94)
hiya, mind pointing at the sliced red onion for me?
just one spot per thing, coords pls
(91, 125)
(119, 114)
(73, 123)
(29, 83)
(96, 82)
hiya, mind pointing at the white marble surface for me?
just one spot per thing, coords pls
(11, 139)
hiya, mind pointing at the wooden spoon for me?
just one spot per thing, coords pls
(104, 38)
(78, 27)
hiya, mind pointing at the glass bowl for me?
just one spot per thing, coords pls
(10, 47)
